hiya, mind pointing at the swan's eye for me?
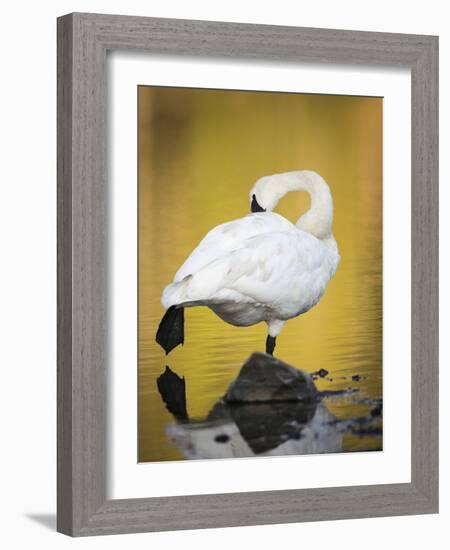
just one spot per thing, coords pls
(255, 207)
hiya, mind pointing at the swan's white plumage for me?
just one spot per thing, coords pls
(257, 268)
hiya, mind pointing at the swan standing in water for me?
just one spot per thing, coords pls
(260, 267)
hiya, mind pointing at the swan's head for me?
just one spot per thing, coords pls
(268, 190)
(265, 194)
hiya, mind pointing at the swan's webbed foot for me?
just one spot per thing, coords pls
(171, 329)
(270, 344)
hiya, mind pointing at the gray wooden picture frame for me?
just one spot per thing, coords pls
(83, 41)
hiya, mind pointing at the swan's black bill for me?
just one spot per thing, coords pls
(270, 344)
(170, 332)
(255, 205)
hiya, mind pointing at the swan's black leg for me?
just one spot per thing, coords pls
(270, 344)
(171, 329)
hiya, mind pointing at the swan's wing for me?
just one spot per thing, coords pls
(266, 269)
(271, 268)
(229, 237)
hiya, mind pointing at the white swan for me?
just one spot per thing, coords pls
(260, 267)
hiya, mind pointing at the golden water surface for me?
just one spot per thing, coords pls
(200, 151)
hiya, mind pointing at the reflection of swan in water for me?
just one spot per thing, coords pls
(240, 430)
(244, 438)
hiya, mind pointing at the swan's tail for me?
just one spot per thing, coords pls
(176, 293)
(170, 332)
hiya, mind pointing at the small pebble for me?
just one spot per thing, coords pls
(376, 411)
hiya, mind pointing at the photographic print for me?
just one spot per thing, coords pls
(260, 274)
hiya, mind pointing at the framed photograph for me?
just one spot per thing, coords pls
(247, 274)
(265, 272)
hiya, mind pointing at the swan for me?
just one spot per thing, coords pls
(260, 267)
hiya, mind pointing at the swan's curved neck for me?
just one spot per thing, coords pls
(319, 218)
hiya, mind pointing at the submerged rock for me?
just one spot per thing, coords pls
(265, 426)
(264, 379)
(173, 392)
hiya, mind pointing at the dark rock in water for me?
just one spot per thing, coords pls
(264, 378)
(376, 411)
(356, 378)
(222, 438)
(265, 426)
